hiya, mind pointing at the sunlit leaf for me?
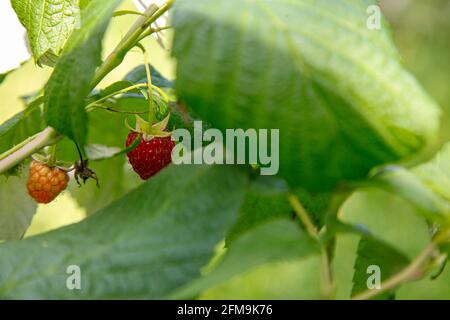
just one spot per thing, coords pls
(145, 245)
(70, 82)
(49, 24)
(312, 69)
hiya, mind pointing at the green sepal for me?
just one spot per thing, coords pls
(63, 165)
(150, 131)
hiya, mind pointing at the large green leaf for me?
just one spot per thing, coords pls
(436, 173)
(139, 75)
(376, 253)
(16, 208)
(70, 82)
(265, 200)
(49, 24)
(409, 186)
(275, 241)
(382, 217)
(21, 126)
(336, 90)
(426, 186)
(151, 241)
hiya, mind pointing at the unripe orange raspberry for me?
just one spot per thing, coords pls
(45, 183)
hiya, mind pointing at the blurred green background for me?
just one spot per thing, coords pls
(421, 30)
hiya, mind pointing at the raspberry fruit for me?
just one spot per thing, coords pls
(45, 183)
(149, 157)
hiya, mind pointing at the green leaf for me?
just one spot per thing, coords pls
(112, 89)
(316, 204)
(84, 3)
(98, 152)
(409, 186)
(21, 126)
(391, 220)
(426, 186)
(17, 208)
(380, 213)
(312, 69)
(120, 13)
(288, 280)
(180, 118)
(139, 75)
(436, 173)
(145, 245)
(265, 200)
(49, 24)
(275, 241)
(376, 253)
(70, 82)
(3, 76)
(135, 101)
(337, 227)
(446, 248)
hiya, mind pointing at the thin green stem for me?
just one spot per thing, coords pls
(417, 269)
(327, 283)
(121, 13)
(152, 31)
(151, 108)
(118, 54)
(52, 154)
(327, 275)
(413, 271)
(338, 198)
(116, 57)
(90, 106)
(95, 104)
(45, 138)
(301, 213)
(17, 147)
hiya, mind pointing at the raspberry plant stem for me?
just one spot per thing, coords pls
(151, 109)
(17, 147)
(152, 31)
(43, 139)
(118, 54)
(94, 104)
(52, 155)
(150, 15)
(416, 270)
(327, 283)
(300, 211)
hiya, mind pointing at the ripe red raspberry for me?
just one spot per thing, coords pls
(149, 157)
(45, 183)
